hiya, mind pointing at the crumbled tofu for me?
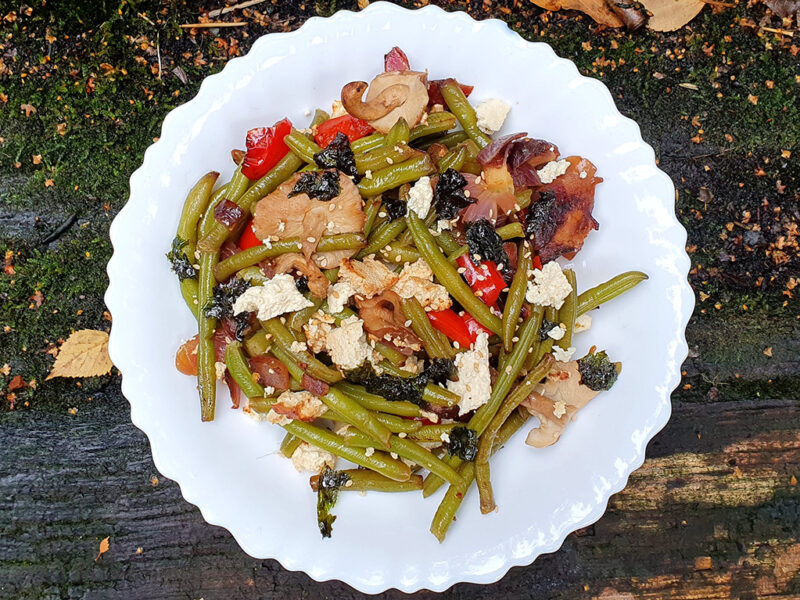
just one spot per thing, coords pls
(316, 330)
(277, 296)
(491, 115)
(338, 295)
(298, 346)
(445, 437)
(413, 365)
(367, 277)
(420, 197)
(303, 406)
(310, 458)
(582, 323)
(219, 367)
(552, 170)
(258, 417)
(549, 286)
(557, 332)
(347, 344)
(559, 409)
(443, 225)
(337, 109)
(431, 416)
(563, 355)
(416, 281)
(474, 383)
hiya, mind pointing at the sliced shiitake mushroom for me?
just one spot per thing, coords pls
(390, 96)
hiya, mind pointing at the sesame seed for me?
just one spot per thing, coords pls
(311, 240)
(389, 160)
(382, 214)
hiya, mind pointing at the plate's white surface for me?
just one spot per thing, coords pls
(229, 468)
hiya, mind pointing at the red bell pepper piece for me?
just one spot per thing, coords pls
(248, 239)
(435, 95)
(352, 127)
(473, 327)
(450, 324)
(265, 148)
(485, 280)
(537, 262)
(395, 60)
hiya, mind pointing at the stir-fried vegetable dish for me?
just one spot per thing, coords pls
(386, 285)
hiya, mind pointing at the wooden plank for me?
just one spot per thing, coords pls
(718, 484)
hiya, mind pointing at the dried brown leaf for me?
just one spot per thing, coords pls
(597, 9)
(784, 8)
(669, 15)
(84, 354)
(103, 548)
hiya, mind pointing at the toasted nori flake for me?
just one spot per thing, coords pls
(597, 371)
(241, 322)
(449, 197)
(484, 241)
(301, 283)
(224, 295)
(463, 443)
(539, 223)
(322, 185)
(181, 264)
(440, 370)
(398, 389)
(329, 483)
(546, 326)
(394, 207)
(338, 155)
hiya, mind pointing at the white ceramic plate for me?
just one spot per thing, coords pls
(230, 469)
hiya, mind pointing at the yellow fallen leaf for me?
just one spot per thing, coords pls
(669, 15)
(103, 548)
(597, 9)
(84, 354)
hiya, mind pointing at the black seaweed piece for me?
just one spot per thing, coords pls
(181, 264)
(338, 155)
(546, 326)
(539, 223)
(449, 197)
(398, 389)
(394, 207)
(224, 295)
(301, 283)
(329, 483)
(463, 443)
(241, 323)
(484, 241)
(322, 185)
(597, 371)
(440, 370)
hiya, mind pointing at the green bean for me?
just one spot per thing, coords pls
(189, 293)
(384, 156)
(594, 297)
(395, 370)
(515, 398)
(439, 396)
(406, 237)
(260, 405)
(332, 275)
(371, 209)
(516, 295)
(382, 236)
(322, 438)
(240, 371)
(390, 354)
(303, 316)
(282, 337)
(289, 361)
(453, 159)
(457, 102)
(303, 147)
(433, 433)
(269, 182)
(367, 143)
(446, 512)
(396, 175)
(424, 330)
(212, 232)
(257, 344)
(512, 230)
(568, 312)
(409, 450)
(256, 254)
(462, 250)
(289, 444)
(400, 254)
(320, 116)
(438, 122)
(361, 418)
(193, 209)
(451, 140)
(206, 369)
(447, 242)
(449, 277)
(524, 198)
(393, 423)
(233, 190)
(378, 403)
(400, 133)
(253, 274)
(480, 420)
(362, 480)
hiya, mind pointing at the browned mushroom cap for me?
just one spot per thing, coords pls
(555, 403)
(317, 282)
(390, 96)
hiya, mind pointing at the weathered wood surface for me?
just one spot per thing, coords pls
(714, 512)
